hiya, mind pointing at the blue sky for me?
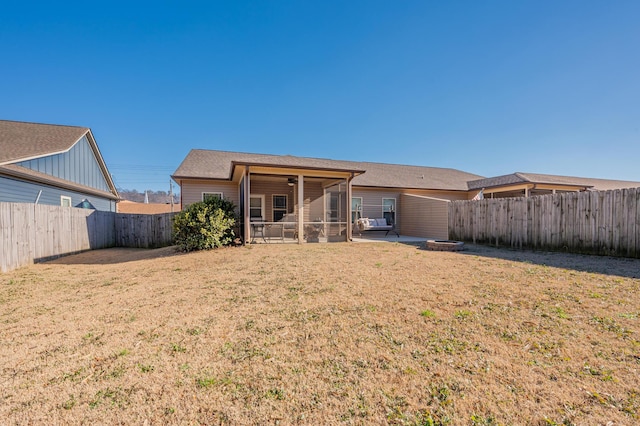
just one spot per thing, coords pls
(488, 87)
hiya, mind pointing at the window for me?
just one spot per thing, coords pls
(207, 195)
(356, 208)
(65, 201)
(279, 207)
(389, 210)
(256, 206)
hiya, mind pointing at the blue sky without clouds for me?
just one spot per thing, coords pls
(488, 87)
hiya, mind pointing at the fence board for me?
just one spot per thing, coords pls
(144, 231)
(31, 233)
(605, 222)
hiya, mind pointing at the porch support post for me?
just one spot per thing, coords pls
(349, 212)
(247, 207)
(300, 209)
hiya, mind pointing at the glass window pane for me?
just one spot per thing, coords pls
(208, 195)
(279, 202)
(388, 205)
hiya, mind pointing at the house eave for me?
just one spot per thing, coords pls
(36, 177)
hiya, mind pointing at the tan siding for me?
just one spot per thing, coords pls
(372, 202)
(269, 189)
(424, 217)
(445, 195)
(192, 190)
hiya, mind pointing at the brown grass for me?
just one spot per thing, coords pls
(321, 334)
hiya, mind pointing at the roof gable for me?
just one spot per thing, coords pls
(79, 165)
(24, 145)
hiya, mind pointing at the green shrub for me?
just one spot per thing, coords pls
(205, 225)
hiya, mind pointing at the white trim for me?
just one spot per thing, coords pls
(210, 193)
(395, 205)
(63, 198)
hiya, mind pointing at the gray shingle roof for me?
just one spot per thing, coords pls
(209, 164)
(519, 177)
(19, 140)
(415, 177)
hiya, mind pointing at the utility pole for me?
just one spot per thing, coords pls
(171, 194)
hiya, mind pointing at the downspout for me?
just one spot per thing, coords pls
(350, 213)
(38, 197)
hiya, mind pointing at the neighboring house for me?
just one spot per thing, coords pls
(530, 184)
(125, 206)
(329, 195)
(54, 165)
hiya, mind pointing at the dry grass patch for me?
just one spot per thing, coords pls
(321, 334)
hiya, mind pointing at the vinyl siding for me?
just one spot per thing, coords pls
(78, 165)
(445, 195)
(372, 202)
(192, 190)
(425, 217)
(270, 188)
(18, 191)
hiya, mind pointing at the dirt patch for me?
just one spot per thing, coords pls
(321, 334)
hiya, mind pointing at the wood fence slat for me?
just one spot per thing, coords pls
(599, 222)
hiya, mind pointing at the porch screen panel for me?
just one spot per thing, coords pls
(336, 209)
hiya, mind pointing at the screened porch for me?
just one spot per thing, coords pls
(294, 208)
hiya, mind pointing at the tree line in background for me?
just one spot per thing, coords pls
(153, 196)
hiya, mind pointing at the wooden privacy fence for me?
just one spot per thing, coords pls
(144, 230)
(31, 233)
(602, 222)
